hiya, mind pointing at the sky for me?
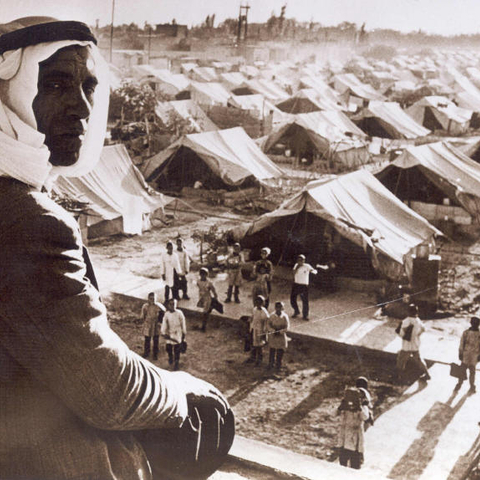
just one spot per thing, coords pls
(448, 17)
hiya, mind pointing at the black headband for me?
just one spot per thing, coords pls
(45, 32)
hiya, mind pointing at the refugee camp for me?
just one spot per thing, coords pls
(239, 240)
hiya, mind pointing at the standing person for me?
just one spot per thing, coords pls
(206, 291)
(362, 384)
(174, 329)
(258, 329)
(301, 273)
(180, 276)
(469, 351)
(410, 330)
(168, 264)
(263, 273)
(72, 393)
(354, 412)
(151, 315)
(278, 325)
(234, 264)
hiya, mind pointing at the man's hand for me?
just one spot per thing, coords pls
(200, 393)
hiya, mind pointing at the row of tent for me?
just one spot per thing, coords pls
(385, 215)
(366, 210)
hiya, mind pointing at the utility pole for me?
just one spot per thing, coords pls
(111, 31)
(149, 42)
(243, 22)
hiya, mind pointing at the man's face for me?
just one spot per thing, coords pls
(300, 260)
(66, 84)
(171, 305)
(169, 248)
(258, 302)
(151, 299)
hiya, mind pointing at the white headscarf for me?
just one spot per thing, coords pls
(23, 154)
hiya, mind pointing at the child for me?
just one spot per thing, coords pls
(362, 384)
(278, 325)
(263, 271)
(168, 264)
(206, 291)
(234, 267)
(151, 315)
(354, 412)
(180, 276)
(174, 330)
(258, 327)
(468, 352)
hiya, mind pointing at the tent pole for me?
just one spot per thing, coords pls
(398, 181)
(288, 236)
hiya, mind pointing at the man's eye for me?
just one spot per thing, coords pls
(89, 88)
(89, 91)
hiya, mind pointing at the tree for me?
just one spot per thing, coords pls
(133, 103)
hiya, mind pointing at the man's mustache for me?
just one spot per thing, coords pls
(76, 128)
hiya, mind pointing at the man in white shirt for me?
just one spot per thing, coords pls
(180, 276)
(301, 273)
(410, 330)
(168, 264)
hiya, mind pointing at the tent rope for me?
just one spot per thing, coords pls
(367, 308)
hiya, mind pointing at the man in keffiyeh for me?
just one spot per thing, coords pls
(71, 391)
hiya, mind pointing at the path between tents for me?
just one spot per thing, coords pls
(430, 422)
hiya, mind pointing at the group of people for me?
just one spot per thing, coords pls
(410, 330)
(174, 268)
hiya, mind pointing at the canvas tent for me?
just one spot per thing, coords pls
(267, 88)
(232, 79)
(223, 159)
(118, 198)
(203, 74)
(388, 120)
(206, 94)
(327, 137)
(348, 86)
(470, 146)
(162, 80)
(428, 174)
(187, 110)
(440, 113)
(307, 100)
(259, 107)
(361, 210)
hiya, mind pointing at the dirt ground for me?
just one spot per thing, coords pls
(295, 408)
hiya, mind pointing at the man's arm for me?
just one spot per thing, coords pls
(162, 266)
(53, 323)
(183, 323)
(212, 289)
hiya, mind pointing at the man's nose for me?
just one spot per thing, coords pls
(79, 105)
